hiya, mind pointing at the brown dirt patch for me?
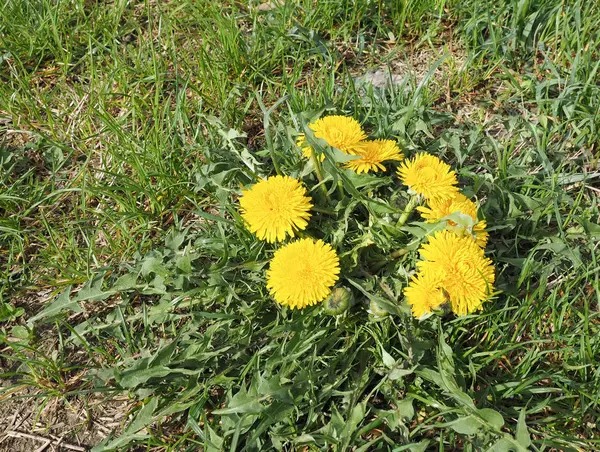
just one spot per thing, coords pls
(29, 421)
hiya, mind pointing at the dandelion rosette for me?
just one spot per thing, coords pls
(275, 207)
(372, 155)
(428, 176)
(302, 273)
(437, 209)
(341, 132)
(467, 276)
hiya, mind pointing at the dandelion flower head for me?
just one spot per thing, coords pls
(373, 153)
(302, 273)
(424, 292)
(437, 209)
(341, 132)
(306, 149)
(467, 275)
(428, 176)
(275, 207)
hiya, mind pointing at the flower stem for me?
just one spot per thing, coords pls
(317, 165)
(341, 189)
(322, 210)
(274, 160)
(412, 203)
(399, 253)
(393, 255)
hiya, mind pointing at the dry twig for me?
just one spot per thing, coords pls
(47, 442)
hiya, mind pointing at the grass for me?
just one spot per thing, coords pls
(125, 134)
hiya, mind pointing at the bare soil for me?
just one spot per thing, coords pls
(62, 424)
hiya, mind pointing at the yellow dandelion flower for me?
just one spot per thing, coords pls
(424, 293)
(373, 153)
(305, 148)
(275, 207)
(468, 275)
(341, 132)
(428, 176)
(480, 234)
(437, 209)
(302, 273)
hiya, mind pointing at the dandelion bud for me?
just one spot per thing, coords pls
(338, 302)
(376, 310)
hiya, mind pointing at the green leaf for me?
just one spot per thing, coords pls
(135, 377)
(9, 312)
(420, 446)
(119, 443)
(92, 290)
(153, 265)
(214, 442)
(562, 249)
(242, 403)
(342, 157)
(590, 228)
(335, 426)
(504, 445)
(467, 425)
(211, 217)
(174, 240)
(125, 282)
(304, 439)
(356, 417)
(522, 434)
(184, 263)
(388, 361)
(405, 408)
(62, 303)
(492, 417)
(398, 372)
(155, 366)
(381, 302)
(20, 332)
(143, 418)
(422, 126)
(362, 180)
(272, 387)
(462, 221)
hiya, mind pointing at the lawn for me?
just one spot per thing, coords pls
(134, 307)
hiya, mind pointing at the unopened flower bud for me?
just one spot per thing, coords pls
(376, 310)
(338, 301)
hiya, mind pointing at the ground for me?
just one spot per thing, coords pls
(133, 307)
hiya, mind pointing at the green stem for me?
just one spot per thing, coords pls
(274, 160)
(317, 165)
(271, 147)
(341, 189)
(399, 253)
(394, 255)
(321, 210)
(266, 121)
(407, 210)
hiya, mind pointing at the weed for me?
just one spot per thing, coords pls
(126, 133)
